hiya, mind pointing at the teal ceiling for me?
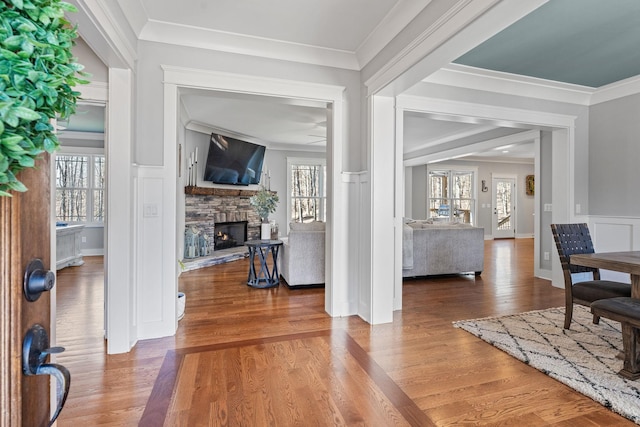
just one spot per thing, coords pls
(585, 42)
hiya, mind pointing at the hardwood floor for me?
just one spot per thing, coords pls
(254, 357)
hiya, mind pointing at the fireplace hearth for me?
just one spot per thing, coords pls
(229, 234)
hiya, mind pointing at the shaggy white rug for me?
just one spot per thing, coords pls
(584, 358)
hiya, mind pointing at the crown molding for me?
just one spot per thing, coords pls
(183, 35)
(467, 77)
(626, 87)
(496, 114)
(393, 23)
(510, 84)
(100, 28)
(448, 138)
(509, 160)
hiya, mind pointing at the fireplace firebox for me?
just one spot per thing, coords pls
(229, 234)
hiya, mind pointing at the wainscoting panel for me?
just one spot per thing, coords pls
(156, 297)
(612, 234)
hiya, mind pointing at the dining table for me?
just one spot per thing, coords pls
(624, 262)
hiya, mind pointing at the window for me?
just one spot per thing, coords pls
(307, 199)
(80, 188)
(451, 194)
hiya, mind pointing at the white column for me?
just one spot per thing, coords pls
(119, 287)
(382, 205)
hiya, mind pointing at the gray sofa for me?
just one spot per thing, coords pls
(303, 255)
(441, 248)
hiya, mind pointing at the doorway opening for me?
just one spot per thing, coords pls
(79, 207)
(503, 220)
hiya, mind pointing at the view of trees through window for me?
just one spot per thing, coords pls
(451, 195)
(503, 204)
(308, 197)
(80, 188)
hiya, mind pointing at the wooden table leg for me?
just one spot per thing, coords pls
(635, 286)
(631, 369)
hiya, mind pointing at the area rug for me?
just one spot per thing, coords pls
(583, 358)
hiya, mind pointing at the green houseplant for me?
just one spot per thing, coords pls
(265, 202)
(37, 74)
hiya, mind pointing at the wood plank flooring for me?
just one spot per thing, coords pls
(254, 357)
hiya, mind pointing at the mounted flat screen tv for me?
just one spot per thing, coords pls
(232, 161)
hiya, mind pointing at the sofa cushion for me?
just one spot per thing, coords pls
(307, 226)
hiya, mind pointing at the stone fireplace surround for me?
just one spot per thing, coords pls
(204, 207)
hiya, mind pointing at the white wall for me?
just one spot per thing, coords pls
(614, 152)
(152, 56)
(92, 64)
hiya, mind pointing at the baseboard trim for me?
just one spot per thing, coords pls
(93, 252)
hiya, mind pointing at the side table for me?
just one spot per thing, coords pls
(263, 278)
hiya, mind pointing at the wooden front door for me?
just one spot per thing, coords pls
(24, 235)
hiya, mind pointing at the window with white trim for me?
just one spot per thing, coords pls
(80, 180)
(451, 193)
(307, 197)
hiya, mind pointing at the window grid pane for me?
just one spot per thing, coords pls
(80, 182)
(307, 193)
(71, 171)
(450, 195)
(71, 205)
(98, 205)
(98, 172)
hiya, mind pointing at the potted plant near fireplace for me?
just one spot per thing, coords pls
(265, 203)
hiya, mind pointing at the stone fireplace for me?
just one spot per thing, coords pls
(207, 208)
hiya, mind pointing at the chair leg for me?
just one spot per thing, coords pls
(568, 315)
(596, 319)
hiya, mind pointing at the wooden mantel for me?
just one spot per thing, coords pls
(210, 191)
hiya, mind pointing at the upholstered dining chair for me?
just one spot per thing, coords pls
(575, 239)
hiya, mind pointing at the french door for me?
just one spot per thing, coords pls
(503, 220)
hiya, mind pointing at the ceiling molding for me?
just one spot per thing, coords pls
(135, 13)
(501, 116)
(396, 20)
(510, 160)
(183, 35)
(449, 138)
(451, 22)
(617, 90)
(467, 77)
(510, 84)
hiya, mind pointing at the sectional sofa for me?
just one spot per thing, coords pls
(432, 248)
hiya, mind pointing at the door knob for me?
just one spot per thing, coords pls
(37, 280)
(35, 350)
